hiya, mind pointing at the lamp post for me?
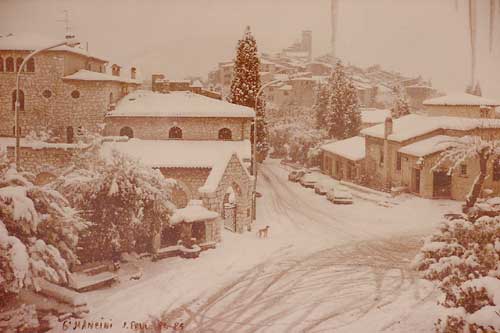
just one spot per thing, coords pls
(70, 41)
(254, 143)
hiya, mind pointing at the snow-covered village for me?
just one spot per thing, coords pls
(250, 166)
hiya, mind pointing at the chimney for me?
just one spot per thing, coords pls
(387, 127)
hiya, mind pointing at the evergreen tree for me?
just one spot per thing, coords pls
(320, 107)
(246, 84)
(343, 118)
(401, 106)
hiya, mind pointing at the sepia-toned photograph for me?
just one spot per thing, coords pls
(240, 166)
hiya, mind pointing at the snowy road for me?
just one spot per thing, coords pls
(345, 268)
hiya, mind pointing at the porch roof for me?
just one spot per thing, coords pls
(180, 153)
(429, 146)
(193, 212)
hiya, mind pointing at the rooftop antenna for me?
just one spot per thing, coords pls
(67, 25)
(334, 10)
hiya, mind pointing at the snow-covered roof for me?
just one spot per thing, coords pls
(180, 153)
(414, 125)
(193, 212)
(86, 75)
(429, 146)
(31, 42)
(143, 103)
(374, 116)
(461, 99)
(214, 155)
(352, 148)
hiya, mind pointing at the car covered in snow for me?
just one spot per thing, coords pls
(324, 186)
(309, 179)
(339, 195)
(295, 175)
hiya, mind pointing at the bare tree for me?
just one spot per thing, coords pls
(467, 148)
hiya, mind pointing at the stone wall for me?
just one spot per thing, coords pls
(189, 179)
(157, 128)
(45, 160)
(60, 110)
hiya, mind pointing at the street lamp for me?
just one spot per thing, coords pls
(254, 143)
(70, 41)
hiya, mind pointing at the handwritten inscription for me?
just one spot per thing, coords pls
(86, 325)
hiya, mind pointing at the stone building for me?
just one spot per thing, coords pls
(403, 153)
(202, 143)
(461, 105)
(344, 159)
(62, 90)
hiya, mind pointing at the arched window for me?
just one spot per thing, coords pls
(110, 98)
(175, 133)
(225, 134)
(30, 66)
(21, 100)
(1, 64)
(9, 64)
(127, 131)
(19, 61)
(70, 134)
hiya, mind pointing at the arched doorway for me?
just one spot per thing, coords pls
(229, 209)
(127, 131)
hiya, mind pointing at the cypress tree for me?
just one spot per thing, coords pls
(246, 84)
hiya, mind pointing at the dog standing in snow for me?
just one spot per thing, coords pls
(262, 233)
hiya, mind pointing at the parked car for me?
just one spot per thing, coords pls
(324, 186)
(339, 195)
(295, 175)
(309, 180)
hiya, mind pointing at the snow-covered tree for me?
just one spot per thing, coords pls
(463, 258)
(38, 233)
(321, 104)
(246, 84)
(126, 202)
(296, 142)
(401, 106)
(343, 118)
(470, 148)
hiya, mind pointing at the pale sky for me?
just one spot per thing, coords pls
(189, 37)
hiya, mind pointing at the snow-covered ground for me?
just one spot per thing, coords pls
(324, 267)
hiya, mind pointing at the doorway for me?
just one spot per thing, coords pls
(416, 181)
(441, 184)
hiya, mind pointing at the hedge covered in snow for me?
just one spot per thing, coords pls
(463, 258)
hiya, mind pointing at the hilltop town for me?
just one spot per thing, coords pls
(283, 192)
